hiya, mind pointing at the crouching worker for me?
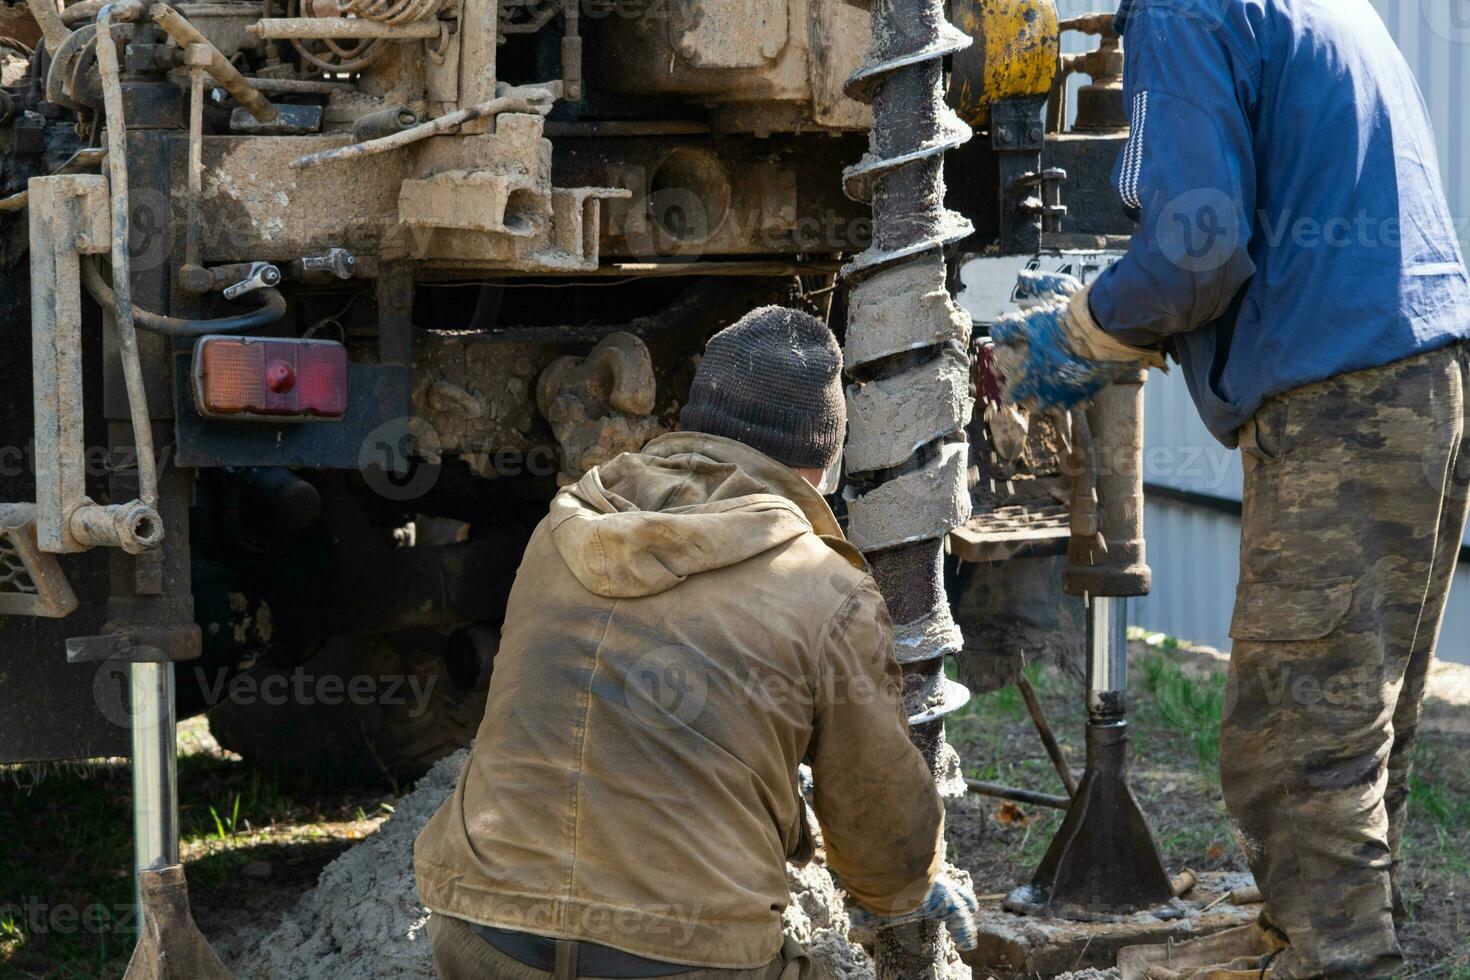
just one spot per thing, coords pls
(688, 624)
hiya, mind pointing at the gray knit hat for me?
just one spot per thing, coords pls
(772, 380)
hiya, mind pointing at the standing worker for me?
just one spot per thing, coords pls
(1295, 253)
(688, 624)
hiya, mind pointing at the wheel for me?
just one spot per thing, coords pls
(363, 709)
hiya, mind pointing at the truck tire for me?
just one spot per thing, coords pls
(363, 709)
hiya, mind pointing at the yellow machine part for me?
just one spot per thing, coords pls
(1016, 53)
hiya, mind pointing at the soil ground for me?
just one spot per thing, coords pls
(254, 842)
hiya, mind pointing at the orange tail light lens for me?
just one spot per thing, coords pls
(270, 378)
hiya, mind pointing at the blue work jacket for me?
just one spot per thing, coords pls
(1292, 218)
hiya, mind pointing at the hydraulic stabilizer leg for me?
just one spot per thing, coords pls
(908, 395)
(1104, 860)
(170, 946)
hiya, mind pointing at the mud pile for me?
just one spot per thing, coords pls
(363, 920)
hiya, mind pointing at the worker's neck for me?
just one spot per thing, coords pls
(811, 474)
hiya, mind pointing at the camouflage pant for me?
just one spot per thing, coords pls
(1355, 502)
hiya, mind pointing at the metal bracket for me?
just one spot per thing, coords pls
(143, 645)
(70, 217)
(31, 581)
(1016, 126)
(290, 120)
(1018, 135)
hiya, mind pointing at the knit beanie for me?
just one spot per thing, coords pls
(772, 380)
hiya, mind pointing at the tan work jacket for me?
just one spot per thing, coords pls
(687, 625)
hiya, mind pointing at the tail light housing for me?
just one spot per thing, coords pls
(270, 378)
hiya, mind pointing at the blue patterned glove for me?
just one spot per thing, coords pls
(948, 903)
(1052, 354)
(1036, 288)
(1037, 367)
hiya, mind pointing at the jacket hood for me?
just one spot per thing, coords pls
(688, 503)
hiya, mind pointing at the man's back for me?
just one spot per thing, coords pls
(1293, 219)
(677, 640)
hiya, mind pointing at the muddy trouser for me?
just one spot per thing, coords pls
(1354, 508)
(460, 953)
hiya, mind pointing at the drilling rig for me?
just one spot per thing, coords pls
(323, 299)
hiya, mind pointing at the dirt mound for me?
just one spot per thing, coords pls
(363, 920)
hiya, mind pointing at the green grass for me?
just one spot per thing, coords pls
(1187, 705)
(66, 887)
(1439, 814)
(224, 827)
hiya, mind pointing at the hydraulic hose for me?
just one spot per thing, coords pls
(270, 311)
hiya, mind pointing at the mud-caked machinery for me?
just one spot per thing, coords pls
(310, 305)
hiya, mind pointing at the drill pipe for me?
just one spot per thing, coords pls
(908, 397)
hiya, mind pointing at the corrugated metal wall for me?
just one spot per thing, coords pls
(1195, 555)
(1434, 36)
(1193, 548)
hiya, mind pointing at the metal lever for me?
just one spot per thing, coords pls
(261, 275)
(334, 262)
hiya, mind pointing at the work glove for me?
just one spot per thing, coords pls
(949, 903)
(1052, 354)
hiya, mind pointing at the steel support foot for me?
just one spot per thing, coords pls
(1104, 861)
(170, 946)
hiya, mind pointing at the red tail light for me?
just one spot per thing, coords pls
(252, 377)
